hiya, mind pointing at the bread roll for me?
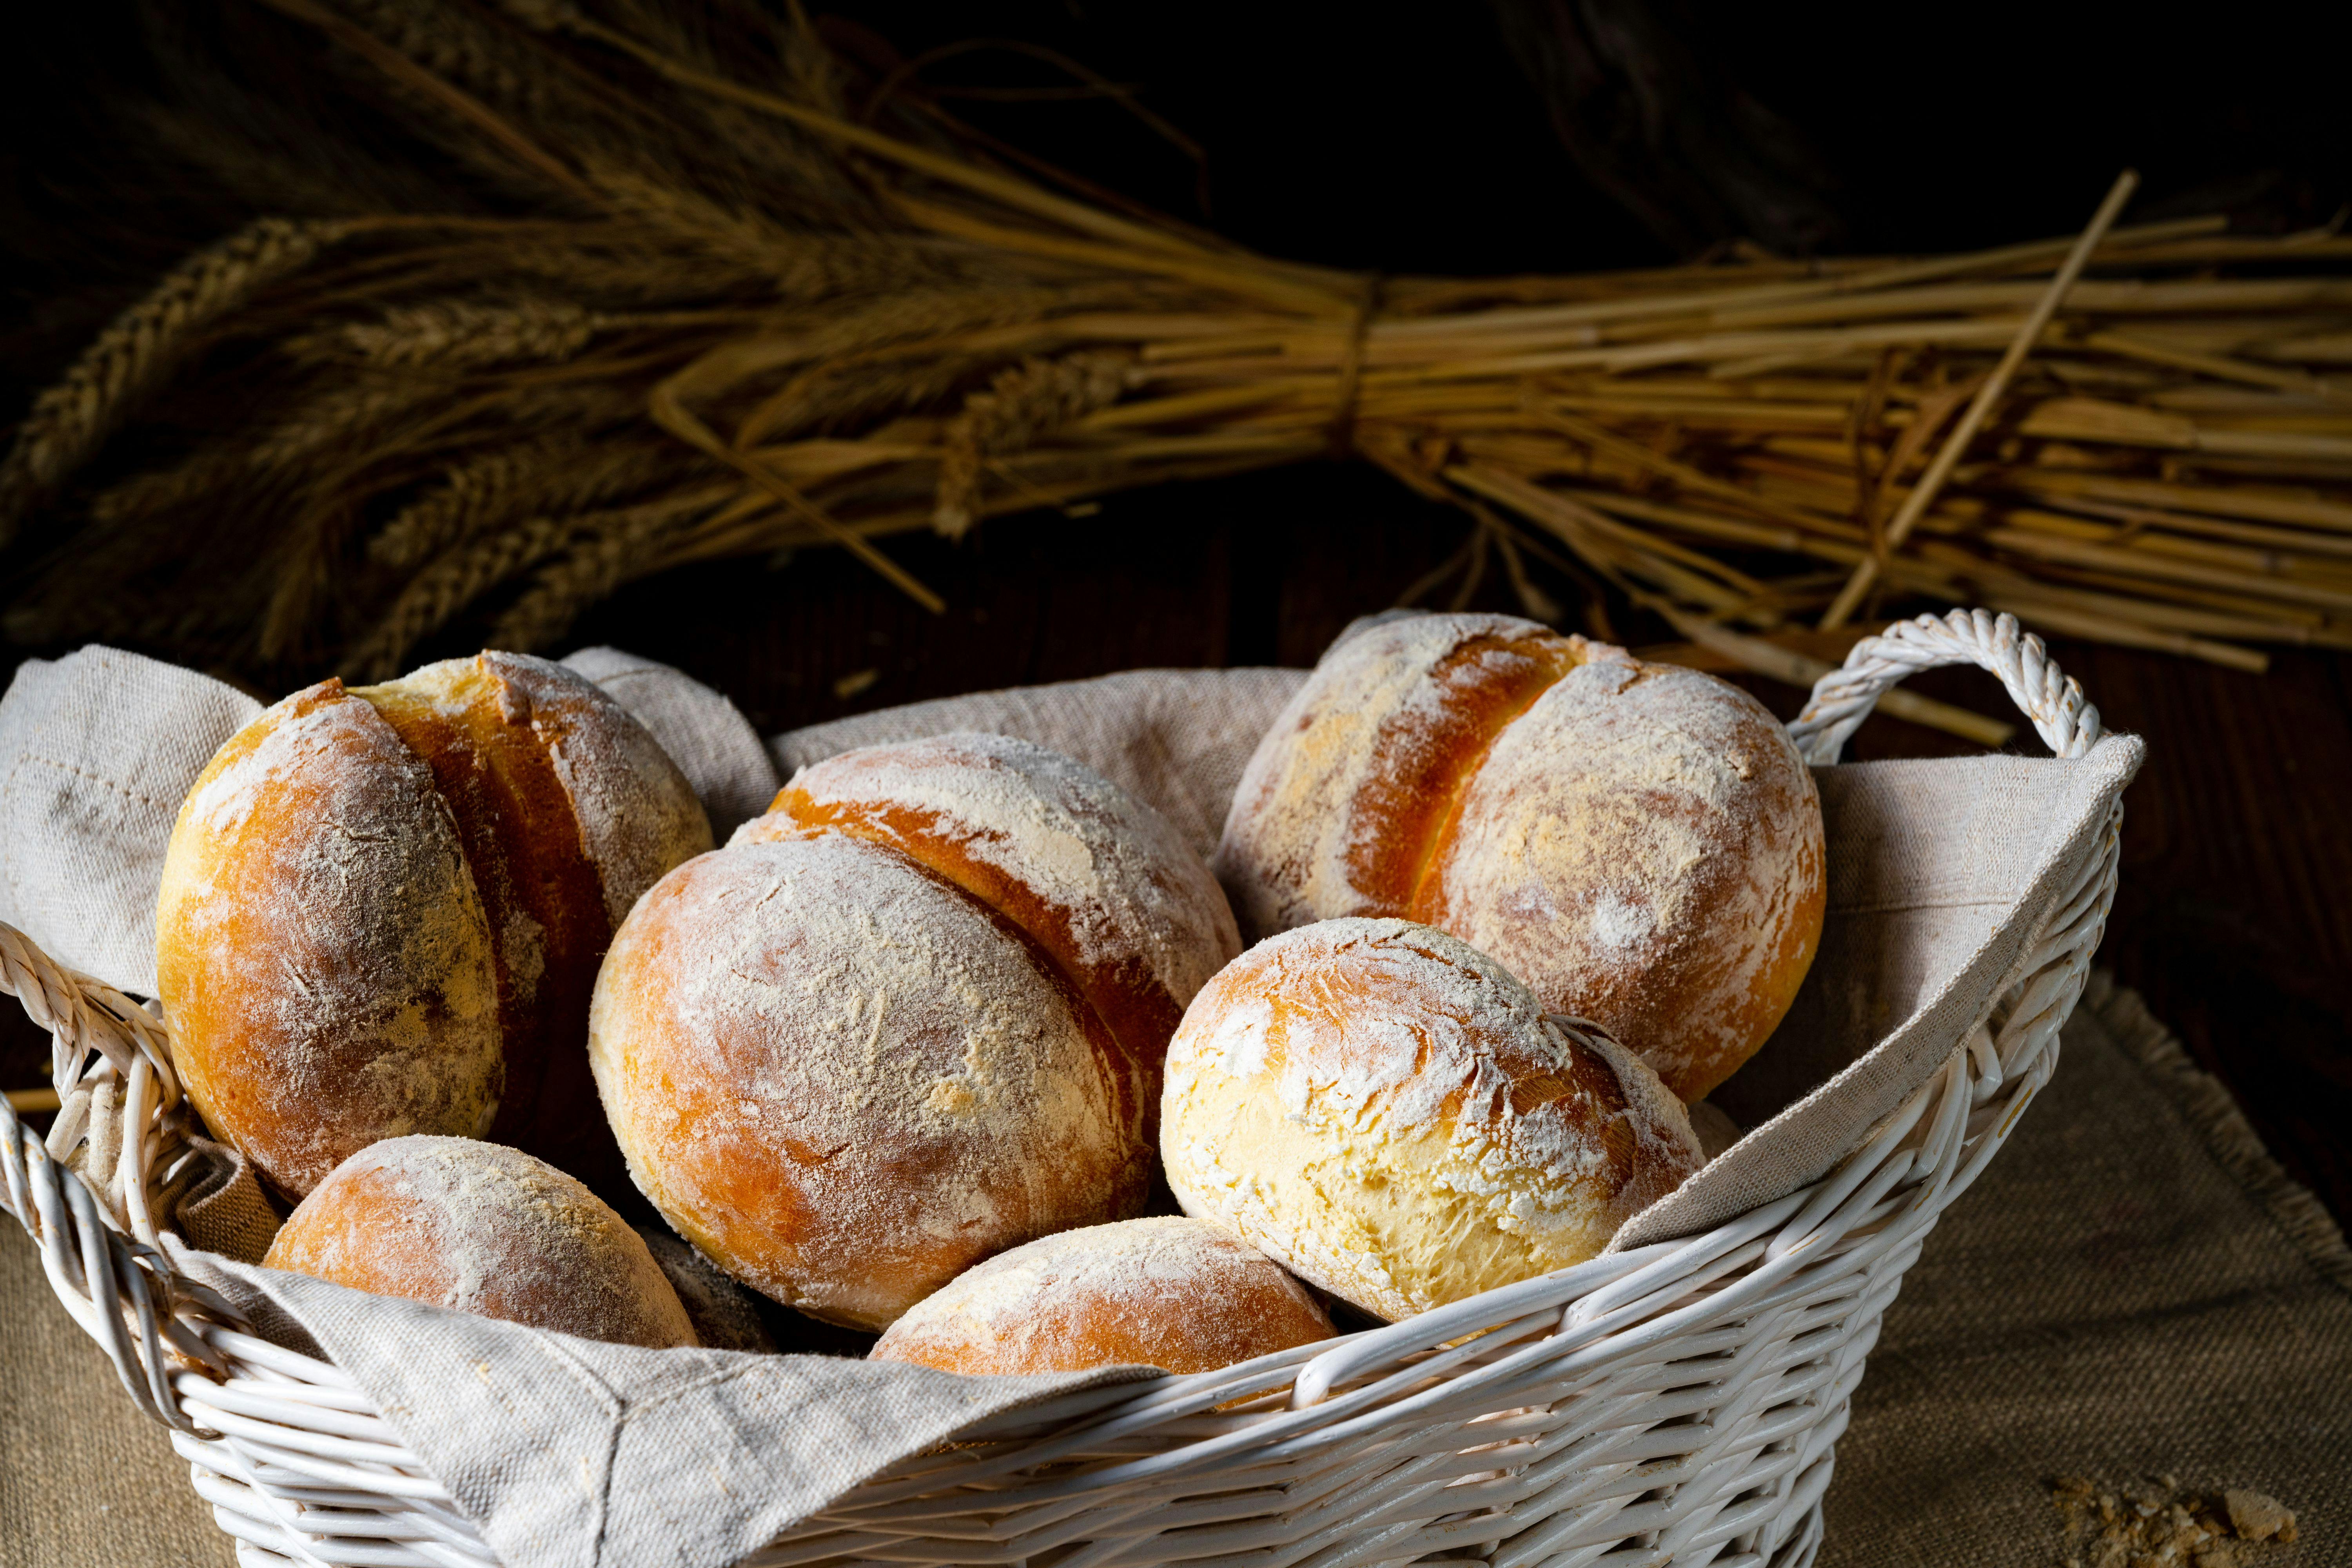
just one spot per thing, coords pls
(1171, 1293)
(1093, 876)
(1640, 843)
(845, 1079)
(486, 1229)
(1383, 1109)
(382, 909)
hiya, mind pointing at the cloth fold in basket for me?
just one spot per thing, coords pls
(567, 1451)
(570, 1452)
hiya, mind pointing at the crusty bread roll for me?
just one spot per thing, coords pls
(1092, 875)
(486, 1229)
(383, 910)
(1171, 1293)
(1386, 1111)
(1640, 843)
(847, 1080)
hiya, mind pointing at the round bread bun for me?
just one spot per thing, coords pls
(847, 1080)
(1092, 875)
(1171, 1293)
(1383, 1109)
(1640, 843)
(485, 1229)
(382, 909)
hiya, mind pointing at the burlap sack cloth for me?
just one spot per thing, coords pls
(2132, 1290)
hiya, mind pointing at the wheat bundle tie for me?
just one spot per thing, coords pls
(1342, 438)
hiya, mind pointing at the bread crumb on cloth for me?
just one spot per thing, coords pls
(2161, 1524)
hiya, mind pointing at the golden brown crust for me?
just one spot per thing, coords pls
(483, 1229)
(1095, 877)
(1387, 1111)
(385, 915)
(1640, 843)
(544, 902)
(845, 1080)
(1644, 849)
(1122, 995)
(1342, 800)
(638, 815)
(321, 952)
(1176, 1294)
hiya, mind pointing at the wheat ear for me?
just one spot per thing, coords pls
(69, 422)
(1034, 398)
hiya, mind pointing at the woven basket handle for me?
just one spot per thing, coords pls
(1843, 697)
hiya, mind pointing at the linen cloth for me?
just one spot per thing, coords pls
(570, 1452)
(97, 751)
(712, 743)
(1176, 739)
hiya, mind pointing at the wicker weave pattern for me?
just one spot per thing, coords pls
(1675, 1403)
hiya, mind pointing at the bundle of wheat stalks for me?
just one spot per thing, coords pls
(712, 295)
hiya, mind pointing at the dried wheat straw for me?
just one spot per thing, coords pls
(1034, 398)
(724, 319)
(142, 346)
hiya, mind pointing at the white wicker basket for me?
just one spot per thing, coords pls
(1677, 1404)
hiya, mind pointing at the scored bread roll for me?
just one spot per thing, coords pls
(1640, 843)
(1171, 1293)
(845, 1080)
(1386, 1111)
(485, 1229)
(1092, 875)
(382, 907)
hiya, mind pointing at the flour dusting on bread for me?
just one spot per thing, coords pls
(1177, 1294)
(479, 1227)
(1132, 889)
(1640, 849)
(323, 952)
(1385, 1110)
(847, 1080)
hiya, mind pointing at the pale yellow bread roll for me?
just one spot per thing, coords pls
(845, 1079)
(1640, 843)
(1166, 1293)
(1387, 1112)
(482, 1229)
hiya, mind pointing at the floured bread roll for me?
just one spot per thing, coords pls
(383, 910)
(1385, 1110)
(911, 1017)
(484, 1229)
(1171, 1293)
(1095, 877)
(1640, 843)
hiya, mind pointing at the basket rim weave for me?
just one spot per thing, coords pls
(1677, 1402)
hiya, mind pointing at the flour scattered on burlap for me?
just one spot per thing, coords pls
(2161, 1524)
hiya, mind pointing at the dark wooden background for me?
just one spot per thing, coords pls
(1526, 134)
